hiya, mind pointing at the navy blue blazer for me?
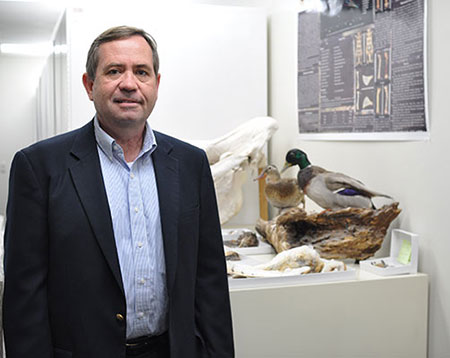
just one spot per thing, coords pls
(63, 293)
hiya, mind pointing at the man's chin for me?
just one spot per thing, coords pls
(123, 120)
(130, 121)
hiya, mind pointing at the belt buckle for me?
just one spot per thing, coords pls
(137, 348)
(144, 340)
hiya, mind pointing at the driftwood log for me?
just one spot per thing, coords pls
(351, 233)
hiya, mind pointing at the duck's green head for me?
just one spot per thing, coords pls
(297, 157)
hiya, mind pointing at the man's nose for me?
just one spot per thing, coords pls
(128, 81)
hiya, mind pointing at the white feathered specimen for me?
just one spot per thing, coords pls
(296, 261)
(232, 156)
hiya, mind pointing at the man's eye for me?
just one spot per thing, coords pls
(142, 73)
(113, 71)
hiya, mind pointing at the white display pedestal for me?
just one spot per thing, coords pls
(372, 316)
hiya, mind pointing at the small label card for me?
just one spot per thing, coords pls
(404, 255)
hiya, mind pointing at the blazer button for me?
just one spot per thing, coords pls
(120, 317)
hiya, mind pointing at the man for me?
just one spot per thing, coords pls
(112, 244)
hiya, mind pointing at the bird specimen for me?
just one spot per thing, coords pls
(329, 190)
(280, 192)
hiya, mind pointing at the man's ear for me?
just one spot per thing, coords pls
(88, 85)
(158, 79)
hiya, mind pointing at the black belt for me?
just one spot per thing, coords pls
(136, 346)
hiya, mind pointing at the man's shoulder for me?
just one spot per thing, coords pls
(59, 144)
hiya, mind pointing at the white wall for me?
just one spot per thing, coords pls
(19, 79)
(213, 65)
(415, 173)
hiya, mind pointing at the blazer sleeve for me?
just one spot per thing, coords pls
(25, 309)
(213, 313)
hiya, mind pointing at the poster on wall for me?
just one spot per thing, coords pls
(362, 70)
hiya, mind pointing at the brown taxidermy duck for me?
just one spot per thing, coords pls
(280, 192)
(330, 190)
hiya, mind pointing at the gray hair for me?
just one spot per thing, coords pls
(116, 33)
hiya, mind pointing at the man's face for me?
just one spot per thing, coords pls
(125, 88)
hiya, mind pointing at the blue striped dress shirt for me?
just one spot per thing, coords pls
(133, 202)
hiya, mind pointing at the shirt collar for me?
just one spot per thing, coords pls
(109, 146)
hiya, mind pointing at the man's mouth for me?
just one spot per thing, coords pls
(126, 100)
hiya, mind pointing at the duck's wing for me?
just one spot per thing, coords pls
(346, 185)
(287, 187)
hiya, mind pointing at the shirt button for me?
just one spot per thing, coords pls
(141, 281)
(140, 244)
(132, 175)
(136, 209)
(140, 315)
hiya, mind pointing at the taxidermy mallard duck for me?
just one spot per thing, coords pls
(280, 192)
(328, 189)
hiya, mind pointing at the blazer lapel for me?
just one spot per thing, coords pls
(87, 178)
(167, 179)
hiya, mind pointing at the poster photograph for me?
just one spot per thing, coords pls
(362, 70)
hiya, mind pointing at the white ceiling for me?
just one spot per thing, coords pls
(28, 21)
